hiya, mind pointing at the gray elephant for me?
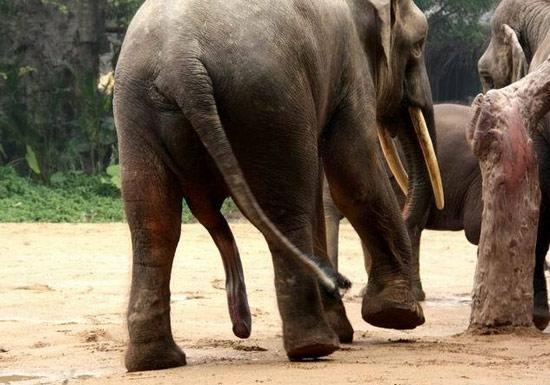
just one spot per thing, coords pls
(252, 99)
(463, 205)
(520, 42)
(462, 192)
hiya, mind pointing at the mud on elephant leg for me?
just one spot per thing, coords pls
(306, 331)
(362, 192)
(153, 206)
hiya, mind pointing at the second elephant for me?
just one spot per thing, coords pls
(463, 206)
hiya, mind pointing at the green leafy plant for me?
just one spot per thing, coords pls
(32, 162)
(71, 197)
(114, 175)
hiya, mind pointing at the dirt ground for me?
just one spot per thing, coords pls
(63, 293)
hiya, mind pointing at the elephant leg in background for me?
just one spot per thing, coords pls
(541, 313)
(207, 211)
(152, 199)
(333, 306)
(333, 216)
(362, 192)
(416, 282)
(367, 259)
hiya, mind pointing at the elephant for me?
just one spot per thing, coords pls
(520, 43)
(462, 184)
(254, 100)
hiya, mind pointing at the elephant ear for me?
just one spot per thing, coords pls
(520, 66)
(384, 11)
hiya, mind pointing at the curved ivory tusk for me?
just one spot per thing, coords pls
(429, 155)
(394, 162)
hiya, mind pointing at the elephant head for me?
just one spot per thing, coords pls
(504, 61)
(395, 37)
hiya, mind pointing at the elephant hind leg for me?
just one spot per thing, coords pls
(307, 332)
(152, 200)
(333, 306)
(291, 199)
(208, 214)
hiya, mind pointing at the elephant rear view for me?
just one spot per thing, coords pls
(251, 99)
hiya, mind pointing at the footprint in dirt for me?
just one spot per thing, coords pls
(35, 287)
(218, 284)
(228, 344)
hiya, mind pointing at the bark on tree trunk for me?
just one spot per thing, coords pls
(499, 136)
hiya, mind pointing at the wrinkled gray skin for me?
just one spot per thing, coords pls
(251, 99)
(508, 58)
(463, 206)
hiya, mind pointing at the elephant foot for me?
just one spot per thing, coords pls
(541, 314)
(311, 343)
(341, 326)
(418, 291)
(335, 314)
(393, 308)
(155, 355)
(338, 321)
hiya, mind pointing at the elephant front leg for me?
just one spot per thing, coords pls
(153, 208)
(362, 192)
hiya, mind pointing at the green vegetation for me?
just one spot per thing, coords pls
(69, 197)
(458, 32)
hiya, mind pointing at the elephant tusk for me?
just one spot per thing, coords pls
(426, 144)
(394, 162)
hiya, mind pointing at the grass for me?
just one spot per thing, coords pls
(71, 197)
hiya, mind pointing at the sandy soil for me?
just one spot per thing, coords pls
(63, 292)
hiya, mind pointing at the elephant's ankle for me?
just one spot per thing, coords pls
(335, 313)
(309, 341)
(154, 355)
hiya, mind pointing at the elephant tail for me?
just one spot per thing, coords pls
(199, 107)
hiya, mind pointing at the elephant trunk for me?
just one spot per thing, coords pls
(419, 186)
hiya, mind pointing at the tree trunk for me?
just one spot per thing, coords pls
(499, 136)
